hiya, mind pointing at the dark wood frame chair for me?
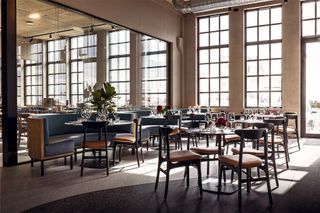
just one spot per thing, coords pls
(240, 162)
(130, 140)
(95, 145)
(175, 159)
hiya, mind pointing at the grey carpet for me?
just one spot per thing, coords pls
(302, 197)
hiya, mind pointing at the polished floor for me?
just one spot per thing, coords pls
(22, 187)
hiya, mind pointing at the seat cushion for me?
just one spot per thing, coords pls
(277, 140)
(125, 139)
(255, 152)
(59, 148)
(206, 150)
(290, 130)
(95, 144)
(76, 137)
(248, 161)
(232, 138)
(183, 155)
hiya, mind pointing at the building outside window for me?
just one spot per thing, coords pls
(57, 76)
(263, 29)
(154, 72)
(33, 76)
(119, 65)
(83, 66)
(213, 60)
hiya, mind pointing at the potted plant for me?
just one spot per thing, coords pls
(102, 99)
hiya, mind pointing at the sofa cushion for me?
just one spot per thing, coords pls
(59, 148)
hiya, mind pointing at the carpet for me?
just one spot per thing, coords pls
(142, 198)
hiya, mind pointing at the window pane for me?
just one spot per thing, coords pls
(308, 10)
(203, 25)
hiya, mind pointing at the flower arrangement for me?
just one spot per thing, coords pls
(163, 110)
(221, 122)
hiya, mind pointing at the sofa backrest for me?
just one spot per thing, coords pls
(56, 123)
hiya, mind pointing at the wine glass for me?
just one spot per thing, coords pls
(83, 114)
(246, 113)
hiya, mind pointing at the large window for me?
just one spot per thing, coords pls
(119, 64)
(213, 60)
(264, 57)
(310, 18)
(57, 70)
(33, 76)
(154, 71)
(83, 66)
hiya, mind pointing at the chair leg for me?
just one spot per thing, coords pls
(208, 166)
(65, 160)
(248, 177)
(137, 155)
(75, 155)
(42, 168)
(31, 162)
(82, 162)
(188, 176)
(286, 152)
(298, 140)
(157, 178)
(239, 188)
(199, 178)
(71, 161)
(107, 161)
(219, 179)
(120, 153)
(114, 154)
(268, 186)
(275, 170)
(141, 152)
(167, 184)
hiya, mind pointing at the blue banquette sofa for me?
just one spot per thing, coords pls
(50, 137)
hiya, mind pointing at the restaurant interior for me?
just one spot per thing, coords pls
(159, 106)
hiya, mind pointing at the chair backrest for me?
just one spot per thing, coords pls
(99, 126)
(292, 116)
(173, 119)
(164, 141)
(278, 122)
(252, 134)
(264, 125)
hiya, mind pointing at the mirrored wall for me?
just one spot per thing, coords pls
(62, 55)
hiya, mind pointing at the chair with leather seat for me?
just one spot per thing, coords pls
(175, 159)
(292, 130)
(130, 140)
(280, 137)
(243, 163)
(101, 144)
(260, 153)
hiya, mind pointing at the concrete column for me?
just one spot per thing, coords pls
(291, 82)
(236, 61)
(190, 87)
(135, 69)
(101, 58)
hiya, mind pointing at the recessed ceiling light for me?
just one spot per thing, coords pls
(34, 16)
(29, 22)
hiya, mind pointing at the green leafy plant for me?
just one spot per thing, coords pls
(102, 99)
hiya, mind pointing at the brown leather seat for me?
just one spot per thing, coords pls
(95, 144)
(248, 161)
(251, 151)
(277, 139)
(183, 155)
(125, 139)
(290, 130)
(213, 150)
(231, 138)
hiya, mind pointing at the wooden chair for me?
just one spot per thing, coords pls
(96, 145)
(131, 140)
(292, 130)
(260, 153)
(280, 137)
(243, 163)
(174, 159)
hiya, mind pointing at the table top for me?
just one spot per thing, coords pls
(79, 123)
(217, 131)
(249, 121)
